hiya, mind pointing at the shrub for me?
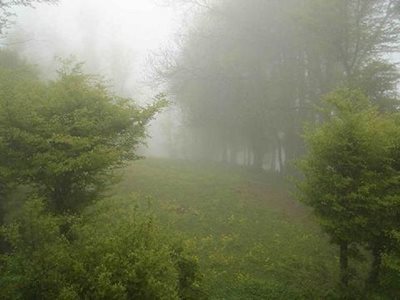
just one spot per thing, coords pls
(114, 251)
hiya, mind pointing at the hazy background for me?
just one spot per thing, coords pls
(124, 39)
(113, 38)
(118, 39)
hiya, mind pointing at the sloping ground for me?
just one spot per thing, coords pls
(252, 240)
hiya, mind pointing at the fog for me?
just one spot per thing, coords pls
(199, 149)
(109, 38)
(205, 56)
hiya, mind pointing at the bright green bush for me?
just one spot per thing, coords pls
(114, 251)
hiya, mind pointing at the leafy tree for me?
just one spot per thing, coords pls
(246, 101)
(18, 81)
(65, 137)
(355, 32)
(391, 271)
(383, 220)
(350, 180)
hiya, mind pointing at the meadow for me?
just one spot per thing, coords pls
(252, 239)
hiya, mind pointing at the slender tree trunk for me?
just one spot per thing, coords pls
(231, 161)
(273, 160)
(2, 203)
(224, 154)
(280, 158)
(344, 264)
(3, 244)
(61, 195)
(247, 156)
(278, 166)
(375, 266)
(258, 159)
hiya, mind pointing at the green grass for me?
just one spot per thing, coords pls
(252, 240)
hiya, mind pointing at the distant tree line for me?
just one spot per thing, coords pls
(248, 74)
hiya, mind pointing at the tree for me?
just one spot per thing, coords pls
(271, 63)
(349, 177)
(65, 137)
(383, 218)
(17, 81)
(355, 32)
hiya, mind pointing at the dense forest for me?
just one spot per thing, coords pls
(277, 129)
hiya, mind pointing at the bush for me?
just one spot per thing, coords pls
(114, 251)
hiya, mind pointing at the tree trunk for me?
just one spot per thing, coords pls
(344, 264)
(3, 244)
(273, 160)
(233, 156)
(2, 204)
(258, 159)
(223, 156)
(375, 266)
(246, 156)
(280, 158)
(61, 195)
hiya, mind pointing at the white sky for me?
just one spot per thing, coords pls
(95, 30)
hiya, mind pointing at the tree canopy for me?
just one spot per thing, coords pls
(271, 61)
(351, 178)
(66, 136)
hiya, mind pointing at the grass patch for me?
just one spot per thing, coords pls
(252, 240)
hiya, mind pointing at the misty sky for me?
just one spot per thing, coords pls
(98, 32)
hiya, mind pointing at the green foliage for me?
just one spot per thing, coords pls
(38, 264)
(271, 63)
(390, 276)
(113, 251)
(65, 137)
(17, 82)
(350, 179)
(337, 168)
(378, 80)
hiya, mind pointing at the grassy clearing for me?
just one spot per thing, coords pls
(252, 240)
